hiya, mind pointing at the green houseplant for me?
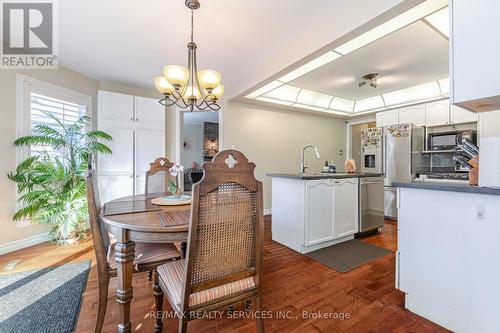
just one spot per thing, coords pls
(52, 184)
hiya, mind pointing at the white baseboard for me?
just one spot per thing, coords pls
(268, 211)
(23, 243)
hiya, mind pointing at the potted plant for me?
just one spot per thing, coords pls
(52, 183)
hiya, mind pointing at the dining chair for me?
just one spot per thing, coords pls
(148, 255)
(223, 265)
(158, 176)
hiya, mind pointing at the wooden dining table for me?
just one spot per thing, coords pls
(135, 219)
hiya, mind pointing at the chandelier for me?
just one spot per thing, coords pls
(189, 88)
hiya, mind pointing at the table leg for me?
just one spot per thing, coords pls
(183, 250)
(124, 250)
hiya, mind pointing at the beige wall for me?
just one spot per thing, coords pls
(273, 139)
(9, 232)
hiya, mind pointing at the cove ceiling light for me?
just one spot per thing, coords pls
(411, 94)
(310, 66)
(272, 100)
(285, 93)
(264, 89)
(308, 107)
(342, 104)
(314, 98)
(414, 14)
(441, 21)
(370, 103)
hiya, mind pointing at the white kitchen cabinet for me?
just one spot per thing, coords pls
(319, 211)
(414, 114)
(387, 118)
(460, 115)
(115, 106)
(475, 48)
(345, 208)
(437, 113)
(136, 143)
(150, 144)
(312, 214)
(148, 110)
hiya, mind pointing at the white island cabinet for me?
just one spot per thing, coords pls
(448, 254)
(312, 214)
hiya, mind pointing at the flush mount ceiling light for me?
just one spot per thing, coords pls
(372, 78)
(189, 88)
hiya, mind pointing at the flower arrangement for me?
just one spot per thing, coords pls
(174, 187)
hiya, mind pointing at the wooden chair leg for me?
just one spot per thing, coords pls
(103, 301)
(258, 318)
(158, 294)
(150, 275)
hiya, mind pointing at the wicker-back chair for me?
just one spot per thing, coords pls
(225, 245)
(158, 176)
(148, 255)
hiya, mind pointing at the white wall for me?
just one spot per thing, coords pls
(273, 139)
(193, 144)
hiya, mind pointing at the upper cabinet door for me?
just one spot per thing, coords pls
(387, 118)
(460, 115)
(437, 113)
(412, 115)
(149, 110)
(475, 49)
(116, 106)
(346, 207)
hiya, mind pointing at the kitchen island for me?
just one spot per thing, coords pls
(312, 211)
(448, 254)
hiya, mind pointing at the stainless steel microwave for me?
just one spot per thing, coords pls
(449, 140)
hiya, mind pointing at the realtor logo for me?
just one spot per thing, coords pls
(28, 34)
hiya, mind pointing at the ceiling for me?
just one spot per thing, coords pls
(129, 41)
(413, 55)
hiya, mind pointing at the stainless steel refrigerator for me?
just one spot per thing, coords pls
(403, 146)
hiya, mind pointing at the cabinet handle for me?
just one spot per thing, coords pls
(136, 119)
(131, 119)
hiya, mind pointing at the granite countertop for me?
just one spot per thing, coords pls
(318, 175)
(450, 187)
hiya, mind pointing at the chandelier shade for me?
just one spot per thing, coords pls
(189, 88)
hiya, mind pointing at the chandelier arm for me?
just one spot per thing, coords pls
(214, 106)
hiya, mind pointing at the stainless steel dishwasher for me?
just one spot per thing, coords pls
(371, 203)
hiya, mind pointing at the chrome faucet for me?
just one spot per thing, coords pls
(303, 166)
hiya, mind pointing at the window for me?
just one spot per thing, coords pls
(37, 99)
(42, 106)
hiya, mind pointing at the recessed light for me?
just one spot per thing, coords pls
(411, 94)
(309, 107)
(314, 98)
(369, 103)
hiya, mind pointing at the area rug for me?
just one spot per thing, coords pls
(45, 300)
(348, 255)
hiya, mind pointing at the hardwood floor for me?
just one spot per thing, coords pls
(293, 283)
